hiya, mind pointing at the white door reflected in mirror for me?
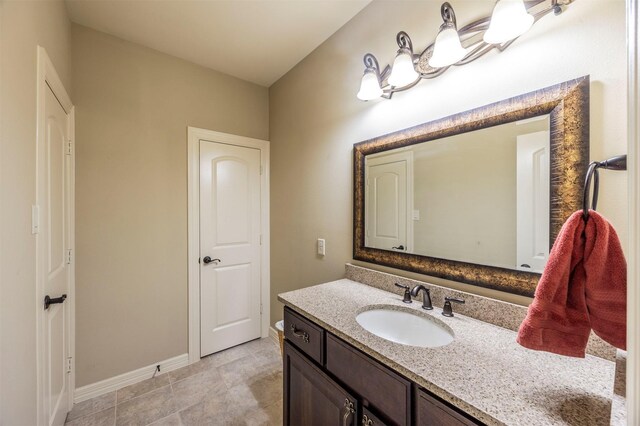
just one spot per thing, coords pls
(479, 197)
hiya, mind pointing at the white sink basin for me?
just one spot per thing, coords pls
(405, 328)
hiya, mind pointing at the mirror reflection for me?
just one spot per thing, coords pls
(479, 197)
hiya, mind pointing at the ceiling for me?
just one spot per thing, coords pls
(255, 40)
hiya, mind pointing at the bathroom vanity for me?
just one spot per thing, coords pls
(336, 372)
(376, 395)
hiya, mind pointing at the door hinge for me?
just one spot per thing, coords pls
(35, 219)
(69, 257)
(261, 170)
(260, 308)
(69, 364)
(69, 147)
(260, 239)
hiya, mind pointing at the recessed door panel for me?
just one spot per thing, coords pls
(56, 142)
(233, 198)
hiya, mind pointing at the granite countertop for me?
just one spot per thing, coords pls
(483, 371)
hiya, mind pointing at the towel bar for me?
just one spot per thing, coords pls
(614, 163)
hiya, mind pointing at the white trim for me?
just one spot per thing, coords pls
(132, 377)
(633, 156)
(47, 76)
(193, 205)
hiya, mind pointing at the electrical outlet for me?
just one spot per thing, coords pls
(321, 246)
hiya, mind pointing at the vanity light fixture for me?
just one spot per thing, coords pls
(403, 71)
(447, 49)
(452, 46)
(370, 85)
(508, 21)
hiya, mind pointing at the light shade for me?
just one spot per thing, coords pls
(369, 86)
(403, 72)
(447, 49)
(508, 21)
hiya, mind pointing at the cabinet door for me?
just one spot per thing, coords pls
(311, 397)
(376, 386)
(433, 412)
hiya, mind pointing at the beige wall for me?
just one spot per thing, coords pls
(315, 117)
(133, 106)
(465, 189)
(24, 25)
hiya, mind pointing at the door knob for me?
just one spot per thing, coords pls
(49, 301)
(208, 259)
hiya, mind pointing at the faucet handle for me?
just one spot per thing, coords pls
(447, 310)
(407, 295)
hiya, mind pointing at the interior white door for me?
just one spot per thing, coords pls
(229, 246)
(388, 204)
(54, 257)
(532, 196)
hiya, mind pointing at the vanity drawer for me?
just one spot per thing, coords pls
(379, 388)
(370, 419)
(305, 335)
(434, 412)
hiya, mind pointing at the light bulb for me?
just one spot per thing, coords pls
(369, 86)
(447, 49)
(508, 21)
(403, 72)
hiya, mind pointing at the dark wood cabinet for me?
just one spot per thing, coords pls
(370, 419)
(305, 335)
(433, 412)
(377, 386)
(328, 382)
(311, 397)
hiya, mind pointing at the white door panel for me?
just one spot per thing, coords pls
(229, 231)
(532, 201)
(54, 241)
(389, 200)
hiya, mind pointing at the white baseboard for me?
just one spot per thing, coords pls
(114, 383)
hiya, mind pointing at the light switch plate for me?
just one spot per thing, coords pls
(321, 246)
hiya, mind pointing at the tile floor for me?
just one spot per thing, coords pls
(239, 386)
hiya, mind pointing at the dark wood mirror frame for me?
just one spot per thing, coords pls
(568, 106)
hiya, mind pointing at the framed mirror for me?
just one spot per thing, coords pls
(477, 197)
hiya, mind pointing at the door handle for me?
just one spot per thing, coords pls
(208, 259)
(49, 301)
(400, 247)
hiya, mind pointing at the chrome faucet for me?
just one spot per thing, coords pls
(426, 297)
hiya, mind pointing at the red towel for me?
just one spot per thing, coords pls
(583, 287)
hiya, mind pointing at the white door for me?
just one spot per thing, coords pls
(389, 201)
(229, 246)
(54, 257)
(532, 196)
